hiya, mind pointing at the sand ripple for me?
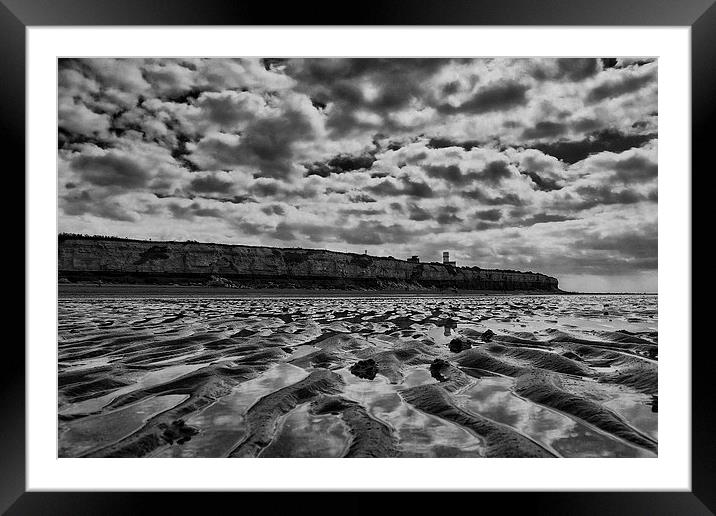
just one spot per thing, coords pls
(472, 376)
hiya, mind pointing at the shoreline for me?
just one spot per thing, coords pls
(74, 290)
(133, 290)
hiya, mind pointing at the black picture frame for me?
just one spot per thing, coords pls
(699, 15)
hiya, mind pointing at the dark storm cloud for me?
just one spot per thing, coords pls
(318, 105)
(360, 212)
(542, 218)
(621, 86)
(226, 108)
(265, 189)
(635, 169)
(335, 84)
(416, 213)
(485, 225)
(478, 194)
(609, 62)
(519, 217)
(451, 174)
(316, 233)
(586, 125)
(590, 196)
(375, 233)
(361, 198)
(210, 184)
(443, 143)
(493, 173)
(193, 210)
(544, 129)
(362, 233)
(577, 69)
(67, 139)
(610, 140)
(501, 96)
(283, 232)
(267, 144)
(450, 88)
(280, 189)
(251, 228)
(326, 71)
(387, 188)
(111, 169)
(642, 245)
(448, 215)
(180, 152)
(569, 69)
(492, 215)
(83, 203)
(233, 199)
(340, 164)
(544, 184)
(274, 209)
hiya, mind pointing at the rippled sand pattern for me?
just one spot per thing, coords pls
(482, 376)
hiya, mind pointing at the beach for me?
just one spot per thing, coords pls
(147, 371)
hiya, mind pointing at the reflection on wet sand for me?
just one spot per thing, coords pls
(334, 377)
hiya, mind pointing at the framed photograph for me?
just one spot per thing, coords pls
(430, 248)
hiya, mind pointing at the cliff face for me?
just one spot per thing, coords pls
(128, 260)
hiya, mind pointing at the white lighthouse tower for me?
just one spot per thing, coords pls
(446, 259)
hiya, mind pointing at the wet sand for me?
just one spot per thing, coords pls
(179, 372)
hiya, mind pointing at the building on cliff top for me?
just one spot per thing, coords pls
(446, 259)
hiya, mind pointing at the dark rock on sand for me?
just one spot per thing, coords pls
(457, 345)
(437, 367)
(487, 336)
(177, 431)
(450, 377)
(365, 369)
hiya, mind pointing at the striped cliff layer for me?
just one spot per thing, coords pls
(136, 261)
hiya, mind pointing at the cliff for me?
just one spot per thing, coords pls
(136, 261)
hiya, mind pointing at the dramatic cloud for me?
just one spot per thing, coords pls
(607, 140)
(531, 164)
(500, 96)
(621, 85)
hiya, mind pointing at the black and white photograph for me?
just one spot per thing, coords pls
(357, 257)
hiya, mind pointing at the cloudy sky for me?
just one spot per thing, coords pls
(547, 165)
